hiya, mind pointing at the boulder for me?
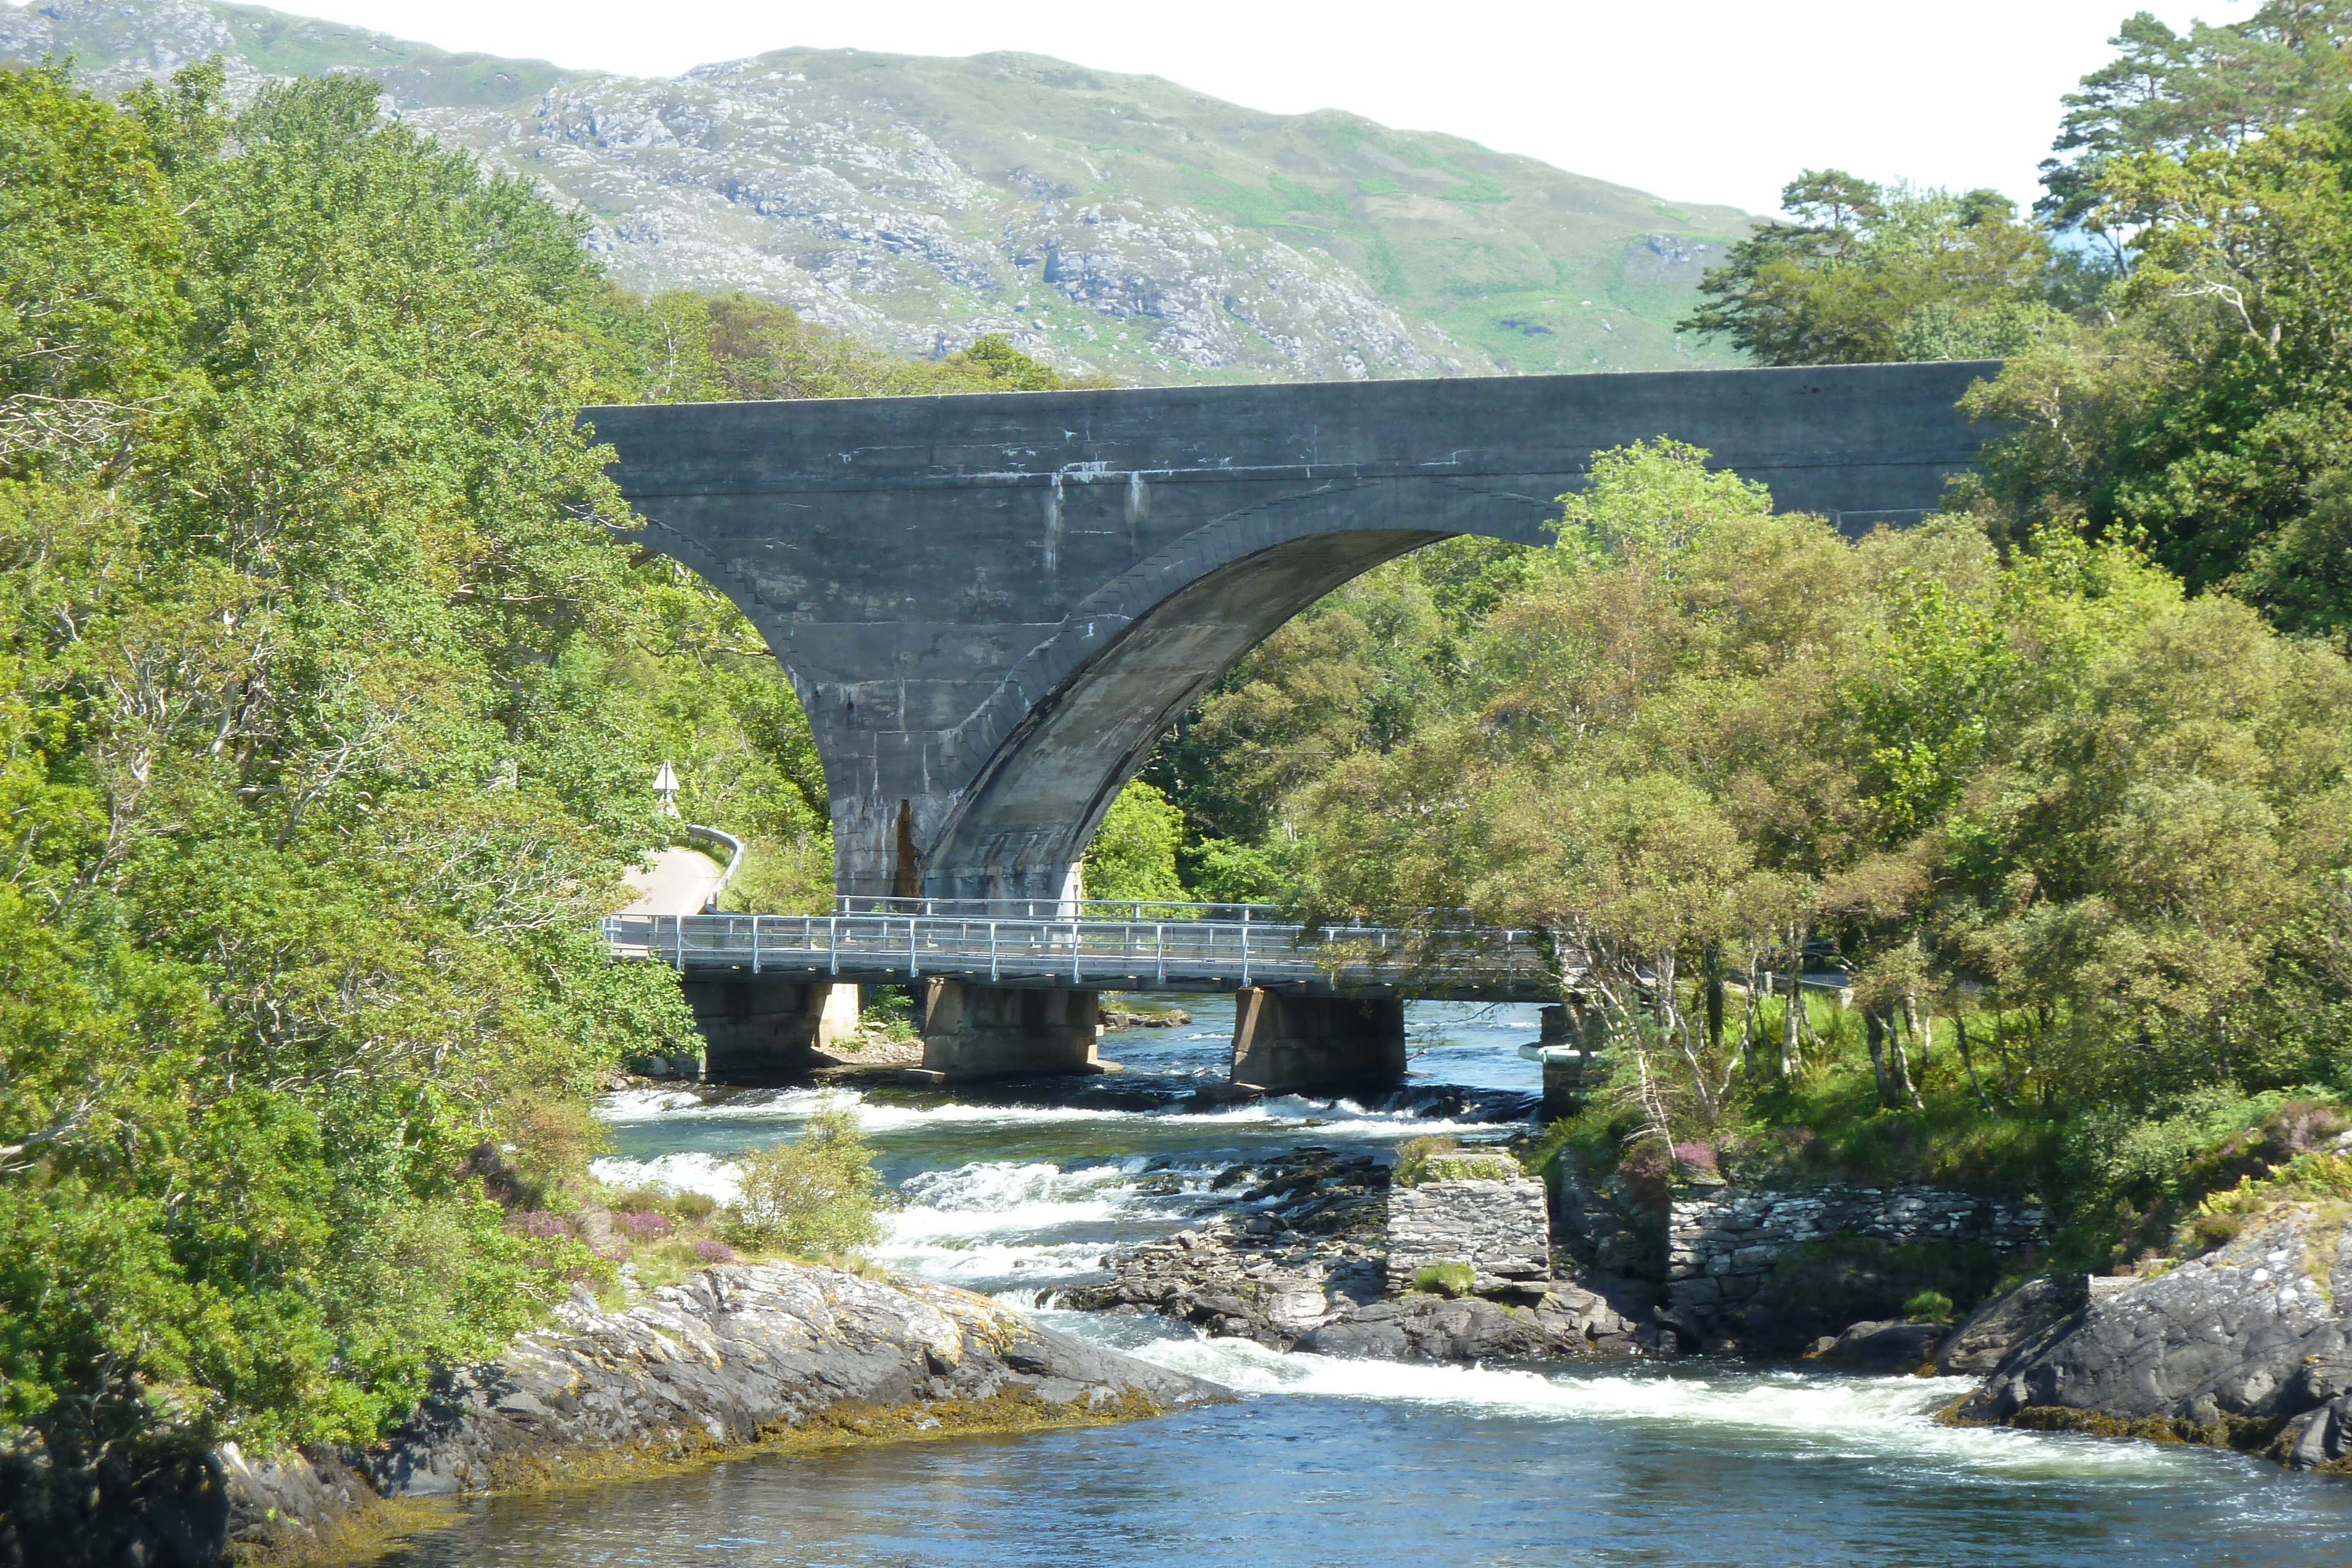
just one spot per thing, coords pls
(2006, 1321)
(1885, 1346)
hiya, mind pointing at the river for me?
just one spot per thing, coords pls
(1020, 1191)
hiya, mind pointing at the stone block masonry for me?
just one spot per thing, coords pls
(1498, 1227)
(1767, 1268)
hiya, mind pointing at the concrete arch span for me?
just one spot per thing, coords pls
(990, 605)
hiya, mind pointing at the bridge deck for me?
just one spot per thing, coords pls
(1094, 955)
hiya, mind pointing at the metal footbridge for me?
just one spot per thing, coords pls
(1094, 945)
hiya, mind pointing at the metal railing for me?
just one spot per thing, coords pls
(1132, 910)
(1132, 954)
(716, 838)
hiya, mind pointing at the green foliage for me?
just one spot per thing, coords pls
(1928, 1307)
(1421, 1160)
(816, 1195)
(890, 1009)
(1867, 275)
(1133, 854)
(1451, 1280)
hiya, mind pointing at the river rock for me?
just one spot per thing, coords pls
(2008, 1320)
(1304, 1265)
(2245, 1347)
(1890, 1345)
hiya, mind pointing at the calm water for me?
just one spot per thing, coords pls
(1021, 1191)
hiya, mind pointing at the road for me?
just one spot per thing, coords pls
(678, 881)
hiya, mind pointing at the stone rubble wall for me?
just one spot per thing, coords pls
(1723, 1244)
(1500, 1226)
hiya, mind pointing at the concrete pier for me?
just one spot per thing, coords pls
(1284, 1043)
(1573, 1063)
(1006, 1031)
(755, 1027)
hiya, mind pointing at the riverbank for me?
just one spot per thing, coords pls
(773, 1357)
(1022, 1191)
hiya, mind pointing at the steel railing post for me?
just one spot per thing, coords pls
(755, 944)
(913, 965)
(1159, 950)
(833, 942)
(677, 935)
(991, 952)
(1244, 947)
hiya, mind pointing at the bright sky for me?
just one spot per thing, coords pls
(1703, 101)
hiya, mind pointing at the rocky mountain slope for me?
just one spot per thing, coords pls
(1115, 223)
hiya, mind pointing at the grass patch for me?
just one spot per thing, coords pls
(1928, 1307)
(1422, 1160)
(1451, 1280)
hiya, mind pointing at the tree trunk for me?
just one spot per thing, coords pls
(1899, 1064)
(1960, 1033)
(1923, 1030)
(1715, 1000)
(1789, 1059)
(1877, 1031)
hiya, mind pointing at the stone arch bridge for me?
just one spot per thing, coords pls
(992, 605)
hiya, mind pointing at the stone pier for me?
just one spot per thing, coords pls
(1006, 1031)
(755, 1027)
(1284, 1043)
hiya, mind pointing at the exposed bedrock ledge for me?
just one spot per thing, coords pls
(2246, 1348)
(732, 1356)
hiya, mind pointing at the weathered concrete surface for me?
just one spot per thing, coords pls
(992, 605)
(1006, 1031)
(1285, 1042)
(755, 1027)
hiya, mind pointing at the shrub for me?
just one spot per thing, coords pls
(1445, 1279)
(814, 1195)
(1928, 1307)
(645, 1227)
(1422, 1160)
(539, 1225)
(711, 1252)
(890, 1011)
(1697, 1162)
(686, 1205)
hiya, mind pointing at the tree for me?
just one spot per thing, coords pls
(1133, 855)
(1867, 275)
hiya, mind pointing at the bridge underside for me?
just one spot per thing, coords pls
(992, 605)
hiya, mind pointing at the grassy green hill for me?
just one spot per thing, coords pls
(1119, 223)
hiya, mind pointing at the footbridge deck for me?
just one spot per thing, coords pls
(1179, 952)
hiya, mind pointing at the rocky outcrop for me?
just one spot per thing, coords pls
(2247, 1347)
(738, 1353)
(1304, 1265)
(750, 1354)
(1997, 1328)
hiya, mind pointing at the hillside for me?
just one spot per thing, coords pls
(1117, 222)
